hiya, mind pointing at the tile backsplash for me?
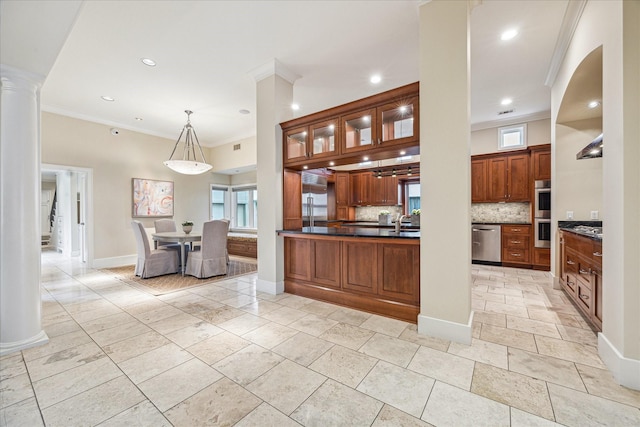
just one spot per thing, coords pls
(370, 213)
(501, 212)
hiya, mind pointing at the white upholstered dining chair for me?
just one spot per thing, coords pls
(150, 262)
(211, 259)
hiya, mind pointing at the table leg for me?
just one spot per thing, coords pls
(182, 265)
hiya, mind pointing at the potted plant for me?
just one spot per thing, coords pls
(415, 217)
(384, 217)
(187, 226)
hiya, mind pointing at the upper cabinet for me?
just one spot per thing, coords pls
(541, 162)
(500, 178)
(314, 141)
(359, 131)
(296, 145)
(396, 122)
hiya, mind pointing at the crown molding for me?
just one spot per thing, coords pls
(273, 67)
(541, 115)
(572, 15)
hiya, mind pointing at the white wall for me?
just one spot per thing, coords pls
(486, 140)
(224, 157)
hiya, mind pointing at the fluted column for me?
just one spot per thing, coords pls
(20, 300)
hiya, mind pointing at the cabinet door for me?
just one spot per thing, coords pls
(360, 185)
(479, 181)
(390, 190)
(396, 122)
(342, 188)
(323, 139)
(296, 144)
(497, 176)
(519, 185)
(325, 262)
(359, 272)
(399, 272)
(292, 200)
(297, 253)
(541, 164)
(358, 131)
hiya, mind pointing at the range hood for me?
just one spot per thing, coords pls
(591, 151)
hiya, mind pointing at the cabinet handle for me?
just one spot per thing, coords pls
(584, 271)
(516, 241)
(583, 297)
(515, 230)
(516, 254)
(599, 254)
(570, 262)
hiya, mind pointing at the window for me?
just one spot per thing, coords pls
(219, 202)
(244, 202)
(412, 192)
(512, 137)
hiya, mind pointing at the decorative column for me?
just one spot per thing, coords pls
(20, 300)
(274, 95)
(445, 244)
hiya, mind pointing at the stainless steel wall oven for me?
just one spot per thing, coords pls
(542, 214)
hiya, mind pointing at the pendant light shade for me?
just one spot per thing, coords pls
(189, 164)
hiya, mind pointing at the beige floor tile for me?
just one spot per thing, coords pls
(451, 406)
(319, 308)
(160, 313)
(508, 337)
(59, 387)
(270, 335)
(286, 386)
(120, 332)
(385, 325)
(107, 322)
(194, 334)
(496, 307)
(260, 307)
(154, 362)
(95, 405)
(285, 315)
(194, 304)
(536, 327)
(524, 419)
(574, 352)
(177, 384)
(545, 368)
(92, 303)
(486, 296)
(86, 316)
(294, 301)
(64, 360)
(12, 366)
(398, 387)
(349, 316)
(217, 347)
(247, 364)
(138, 310)
(475, 330)
(344, 365)
(481, 351)
(600, 382)
(62, 342)
(22, 414)
(349, 336)
(504, 291)
(220, 315)
(266, 415)
(478, 304)
(392, 350)
(61, 328)
(411, 334)
(14, 390)
(513, 389)
(223, 403)
(134, 346)
(445, 367)
(141, 415)
(392, 417)
(553, 317)
(239, 301)
(302, 348)
(242, 324)
(495, 319)
(573, 408)
(579, 335)
(335, 404)
(313, 325)
(174, 323)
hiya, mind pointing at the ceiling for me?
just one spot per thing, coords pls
(206, 51)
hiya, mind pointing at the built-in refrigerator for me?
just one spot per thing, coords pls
(314, 200)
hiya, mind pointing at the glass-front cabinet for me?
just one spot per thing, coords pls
(296, 144)
(397, 122)
(323, 139)
(359, 131)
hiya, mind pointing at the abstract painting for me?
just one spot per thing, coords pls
(151, 198)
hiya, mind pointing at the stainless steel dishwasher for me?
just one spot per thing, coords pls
(486, 244)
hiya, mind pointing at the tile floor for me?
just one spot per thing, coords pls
(223, 354)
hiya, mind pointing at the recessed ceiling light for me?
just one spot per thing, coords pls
(108, 98)
(149, 62)
(244, 111)
(506, 101)
(509, 34)
(139, 119)
(375, 79)
(295, 107)
(593, 104)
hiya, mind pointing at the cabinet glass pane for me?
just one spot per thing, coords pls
(358, 131)
(324, 139)
(397, 123)
(296, 145)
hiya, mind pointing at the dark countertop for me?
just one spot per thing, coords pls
(354, 232)
(500, 223)
(376, 224)
(570, 227)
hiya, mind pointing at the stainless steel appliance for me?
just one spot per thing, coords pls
(314, 199)
(542, 214)
(486, 243)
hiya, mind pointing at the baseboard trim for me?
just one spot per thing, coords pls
(626, 371)
(11, 347)
(269, 287)
(118, 261)
(445, 329)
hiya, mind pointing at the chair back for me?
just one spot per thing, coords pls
(141, 239)
(214, 239)
(163, 225)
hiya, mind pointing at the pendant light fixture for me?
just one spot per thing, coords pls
(189, 165)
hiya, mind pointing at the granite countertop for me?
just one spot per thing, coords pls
(570, 226)
(405, 224)
(502, 222)
(354, 232)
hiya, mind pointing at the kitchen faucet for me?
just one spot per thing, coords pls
(399, 222)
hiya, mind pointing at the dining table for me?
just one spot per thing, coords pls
(177, 237)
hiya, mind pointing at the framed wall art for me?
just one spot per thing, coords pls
(152, 198)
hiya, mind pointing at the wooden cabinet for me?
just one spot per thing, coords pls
(315, 141)
(342, 188)
(292, 200)
(541, 162)
(398, 122)
(501, 178)
(516, 243)
(581, 273)
(360, 188)
(384, 191)
(359, 131)
(296, 144)
(242, 248)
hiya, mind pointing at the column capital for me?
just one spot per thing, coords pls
(12, 77)
(273, 67)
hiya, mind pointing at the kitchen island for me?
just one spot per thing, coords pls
(372, 269)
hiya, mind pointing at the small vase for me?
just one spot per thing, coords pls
(187, 228)
(415, 220)
(384, 219)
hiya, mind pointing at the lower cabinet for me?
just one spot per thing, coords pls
(516, 244)
(243, 248)
(376, 275)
